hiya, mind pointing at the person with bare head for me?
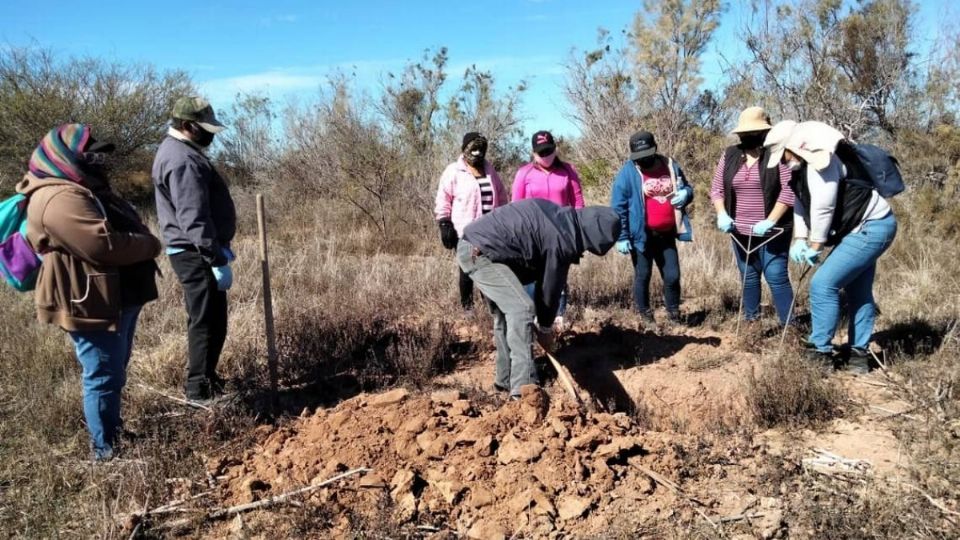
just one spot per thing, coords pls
(753, 204)
(198, 220)
(469, 188)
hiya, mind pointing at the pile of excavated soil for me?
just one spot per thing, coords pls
(542, 468)
(535, 467)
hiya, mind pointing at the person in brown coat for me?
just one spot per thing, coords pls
(98, 269)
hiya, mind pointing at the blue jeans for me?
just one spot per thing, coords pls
(531, 289)
(104, 356)
(770, 261)
(851, 266)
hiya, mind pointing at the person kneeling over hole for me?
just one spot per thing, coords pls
(533, 241)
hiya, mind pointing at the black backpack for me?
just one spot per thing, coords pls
(869, 168)
(872, 167)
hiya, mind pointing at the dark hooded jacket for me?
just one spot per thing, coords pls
(539, 240)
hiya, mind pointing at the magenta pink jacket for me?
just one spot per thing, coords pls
(458, 197)
(560, 184)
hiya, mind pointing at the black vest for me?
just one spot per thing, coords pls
(734, 158)
(853, 198)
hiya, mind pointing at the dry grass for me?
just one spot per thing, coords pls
(357, 313)
(789, 391)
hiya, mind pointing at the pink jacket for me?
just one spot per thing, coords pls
(458, 197)
(559, 185)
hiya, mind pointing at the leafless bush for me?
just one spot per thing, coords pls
(127, 104)
(248, 150)
(789, 391)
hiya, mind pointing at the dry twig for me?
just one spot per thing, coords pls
(282, 498)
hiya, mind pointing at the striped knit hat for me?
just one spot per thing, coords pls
(58, 153)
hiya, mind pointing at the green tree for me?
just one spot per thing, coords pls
(669, 38)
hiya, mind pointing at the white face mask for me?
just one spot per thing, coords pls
(545, 161)
(794, 165)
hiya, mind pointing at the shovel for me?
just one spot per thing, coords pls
(563, 374)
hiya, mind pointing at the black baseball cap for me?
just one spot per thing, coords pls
(543, 141)
(642, 144)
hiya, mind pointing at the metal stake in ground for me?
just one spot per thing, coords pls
(747, 251)
(793, 302)
(268, 305)
(793, 305)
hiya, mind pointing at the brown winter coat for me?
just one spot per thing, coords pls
(79, 284)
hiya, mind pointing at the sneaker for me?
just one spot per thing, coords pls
(647, 318)
(498, 388)
(675, 317)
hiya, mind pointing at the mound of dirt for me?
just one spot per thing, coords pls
(535, 466)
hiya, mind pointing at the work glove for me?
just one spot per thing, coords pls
(763, 227)
(724, 222)
(680, 199)
(228, 254)
(546, 338)
(623, 246)
(797, 250)
(811, 256)
(224, 276)
(448, 234)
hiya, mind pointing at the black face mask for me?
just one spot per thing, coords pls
(476, 152)
(749, 142)
(647, 162)
(95, 166)
(202, 137)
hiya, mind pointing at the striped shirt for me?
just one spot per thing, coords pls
(486, 194)
(750, 208)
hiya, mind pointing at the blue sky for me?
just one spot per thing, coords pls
(287, 47)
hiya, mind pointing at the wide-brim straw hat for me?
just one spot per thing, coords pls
(752, 119)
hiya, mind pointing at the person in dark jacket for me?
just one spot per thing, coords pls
(530, 241)
(198, 220)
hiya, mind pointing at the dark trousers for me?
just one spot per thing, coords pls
(662, 250)
(206, 321)
(466, 290)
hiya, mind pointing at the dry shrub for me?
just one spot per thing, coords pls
(833, 509)
(788, 391)
(375, 349)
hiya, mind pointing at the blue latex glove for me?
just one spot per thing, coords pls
(724, 222)
(811, 256)
(680, 199)
(763, 227)
(228, 254)
(224, 276)
(623, 246)
(797, 250)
